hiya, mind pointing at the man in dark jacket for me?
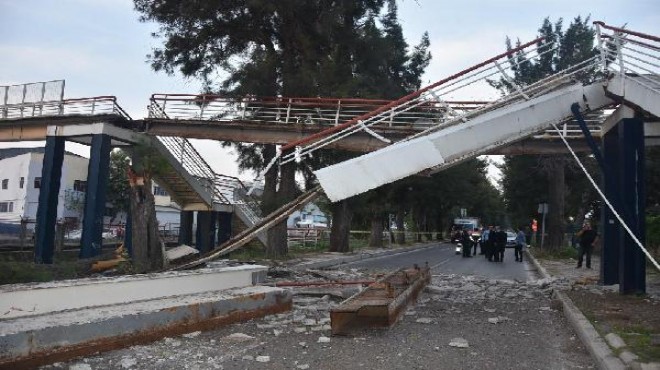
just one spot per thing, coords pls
(588, 238)
(500, 244)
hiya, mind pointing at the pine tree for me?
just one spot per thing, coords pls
(571, 47)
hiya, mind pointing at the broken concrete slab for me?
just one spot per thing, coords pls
(179, 253)
(30, 341)
(20, 300)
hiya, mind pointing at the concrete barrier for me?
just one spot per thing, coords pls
(20, 300)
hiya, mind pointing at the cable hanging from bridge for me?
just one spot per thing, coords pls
(607, 202)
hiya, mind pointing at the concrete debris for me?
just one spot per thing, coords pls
(127, 362)
(277, 332)
(299, 330)
(323, 340)
(194, 334)
(424, 320)
(490, 310)
(237, 337)
(172, 342)
(309, 322)
(459, 343)
(263, 359)
(493, 320)
(302, 367)
(180, 253)
(80, 366)
(303, 344)
(410, 313)
(247, 358)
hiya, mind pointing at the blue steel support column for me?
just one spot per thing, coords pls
(97, 186)
(186, 227)
(632, 267)
(611, 233)
(48, 196)
(203, 231)
(224, 227)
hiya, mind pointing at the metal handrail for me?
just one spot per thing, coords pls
(438, 91)
(288, 110)
(97, 105)
(630, 53)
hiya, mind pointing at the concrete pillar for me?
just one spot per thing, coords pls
(186, 227)
(632, 266)
(611, 233)
(97, 186)
(51, 173)
(224, 227)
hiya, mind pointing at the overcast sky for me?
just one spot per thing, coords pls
(99, 47)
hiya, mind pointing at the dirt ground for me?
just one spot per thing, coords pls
(635, 319)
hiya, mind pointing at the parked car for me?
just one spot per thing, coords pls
(510, 239)
(309, 223)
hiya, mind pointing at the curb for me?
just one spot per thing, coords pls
(596, 345)
(362, 256)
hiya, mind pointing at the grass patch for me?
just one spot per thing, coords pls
(640, 343)
(555, 254)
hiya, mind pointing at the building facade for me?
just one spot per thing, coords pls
(20, 183)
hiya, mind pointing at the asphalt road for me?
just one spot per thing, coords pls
(443, 260)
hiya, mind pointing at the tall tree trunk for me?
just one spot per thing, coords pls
(147, 247)
(268, 198)
(376, 237)
(401, 232)
(556, 194)
(341, 226)
(277, 235)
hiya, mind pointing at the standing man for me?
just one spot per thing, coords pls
(521, 242)
(466, 240)
(500, 244)
(588, 238)
(484, 241)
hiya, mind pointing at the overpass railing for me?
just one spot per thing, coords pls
(46, 99)
(482, 75)
(628, 52)
(285, 110)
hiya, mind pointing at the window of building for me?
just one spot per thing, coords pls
(21, 182)
(5, 183)
(37, 182)
(6, 207)
(80, 185)
(159, 191)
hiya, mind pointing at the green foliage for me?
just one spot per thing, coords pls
(653, 232)
(117, 194)
(525, 178)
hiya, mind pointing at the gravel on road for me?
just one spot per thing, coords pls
(459, 322)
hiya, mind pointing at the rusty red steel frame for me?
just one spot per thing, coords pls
(380, 305)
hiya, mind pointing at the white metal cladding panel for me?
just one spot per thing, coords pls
(343, 180)
(639, 91)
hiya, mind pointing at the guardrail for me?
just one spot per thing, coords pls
(285, 110)
(437, 93)
(628, 52)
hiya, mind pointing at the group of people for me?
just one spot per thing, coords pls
(493, 243)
